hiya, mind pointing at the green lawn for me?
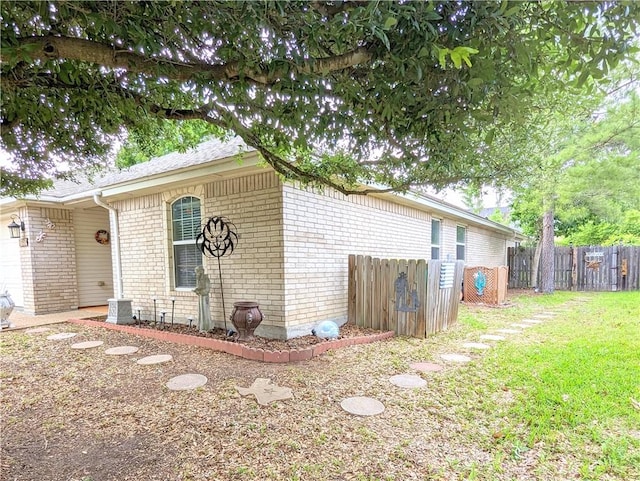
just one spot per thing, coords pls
(571, 385)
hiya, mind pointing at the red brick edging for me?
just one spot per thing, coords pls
(237, 349)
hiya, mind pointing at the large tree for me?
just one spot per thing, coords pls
(336, 92)
(585, 176)
(592, 178)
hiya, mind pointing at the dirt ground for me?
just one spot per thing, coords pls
(82, 415)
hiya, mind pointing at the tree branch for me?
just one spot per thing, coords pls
(280, 165)
(53, 47)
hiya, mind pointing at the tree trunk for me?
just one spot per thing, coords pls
(547, 260)
(535, 267)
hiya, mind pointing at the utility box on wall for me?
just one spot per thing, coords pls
(485, 285)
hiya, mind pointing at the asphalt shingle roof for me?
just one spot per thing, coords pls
(204, 153)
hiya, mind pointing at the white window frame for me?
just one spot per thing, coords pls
(462, 244)
(439, 244)
(175, 243)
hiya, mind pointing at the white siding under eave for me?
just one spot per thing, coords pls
(10, 270)
(93, 260)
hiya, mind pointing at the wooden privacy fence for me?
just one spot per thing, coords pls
(615, 268)
(410, 297)
(493, 288)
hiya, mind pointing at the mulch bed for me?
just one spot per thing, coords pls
(346, 331)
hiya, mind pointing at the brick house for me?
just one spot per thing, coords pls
(129, 234)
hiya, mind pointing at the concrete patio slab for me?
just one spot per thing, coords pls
(87, 344)
(21, 320)
(62, 335)
(426, 366)
(532, 321)
(407, 381)
(509, 331)
(492, 337)
(266, 391)
(476, 345)
(362, 406)
(121, 350)
(155, 359)
(455, 358)
(186, 382)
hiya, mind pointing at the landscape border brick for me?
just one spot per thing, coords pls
(236, 349)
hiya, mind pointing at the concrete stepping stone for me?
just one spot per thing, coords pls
(532, 321)
(37, 330)
(426, 366)
(455, 357)
(186, 382)
(521, 325)
(407, 381)
(362, 406)
(155, 359)
(476, 345)
(86, 344)
(509, 331)
(492, 337)
(62, 335)
(266, 391)
(121, 350)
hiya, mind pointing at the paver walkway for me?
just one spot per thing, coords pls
(264, 390)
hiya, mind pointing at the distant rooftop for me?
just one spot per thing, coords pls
(505, 211)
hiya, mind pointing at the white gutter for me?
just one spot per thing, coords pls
(113, 215)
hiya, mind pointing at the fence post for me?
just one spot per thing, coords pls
(351, 291)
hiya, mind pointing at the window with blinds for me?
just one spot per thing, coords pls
(185, 220)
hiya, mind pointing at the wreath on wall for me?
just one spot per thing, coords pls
(102, 237)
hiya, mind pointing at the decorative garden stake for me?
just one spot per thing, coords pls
(218, 238)
(154, 312)
(480, 282)
(406, 299)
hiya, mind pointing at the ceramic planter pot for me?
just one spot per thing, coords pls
(246, 316)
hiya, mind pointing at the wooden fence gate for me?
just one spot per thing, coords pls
(410, 297)
(615, 268)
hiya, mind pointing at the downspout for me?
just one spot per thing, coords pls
(113, 217)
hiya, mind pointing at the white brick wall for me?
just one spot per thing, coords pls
(323, 228)
(49, 267)
(253, 272)
(291, 256)
(486, 248)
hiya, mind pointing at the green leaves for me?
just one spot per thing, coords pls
(457, 55)
(390, 22)
(415, 92)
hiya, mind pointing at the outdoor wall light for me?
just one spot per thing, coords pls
(14, 227)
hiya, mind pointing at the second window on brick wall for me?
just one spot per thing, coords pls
(461, 242)
(185, 220)
(435, 239)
